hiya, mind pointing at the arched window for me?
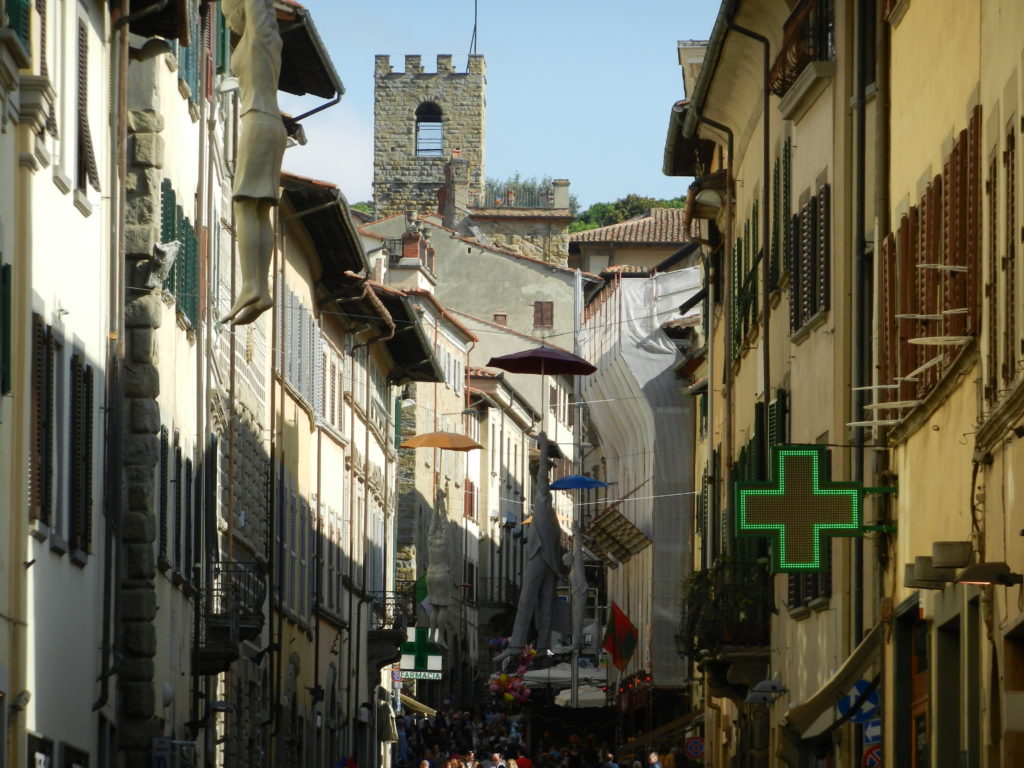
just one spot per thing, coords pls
(428, 130)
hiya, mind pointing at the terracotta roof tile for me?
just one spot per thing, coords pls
(657, 226)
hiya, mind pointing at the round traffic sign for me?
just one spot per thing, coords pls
(868, 709)
(396, 675)
(872, 757)
(694, 747)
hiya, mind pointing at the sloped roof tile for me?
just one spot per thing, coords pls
(659, 226)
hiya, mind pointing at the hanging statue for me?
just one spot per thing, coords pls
(256, 61)
(543, 564)
(439, 569)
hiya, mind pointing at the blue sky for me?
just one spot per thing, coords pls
(575, 89)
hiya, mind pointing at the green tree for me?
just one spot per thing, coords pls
(627, 207)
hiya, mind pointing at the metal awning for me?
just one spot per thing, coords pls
(613, 534)
(803, 717)
(417, 706)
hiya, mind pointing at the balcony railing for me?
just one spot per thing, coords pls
(726, 605)
(231, 610)
(808, 35)
(512, 197)
(498, 590)
(393, 610)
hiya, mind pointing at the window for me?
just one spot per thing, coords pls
(501, 318)
(543, 314)
(930, 270)
(80, 456)
(85, 167)
(41, 465)
(18, 21)
(163, 492)
(810, 283)
(429, 130)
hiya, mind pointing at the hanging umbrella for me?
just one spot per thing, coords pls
(572, 482)
(448, 441)
(543, 361)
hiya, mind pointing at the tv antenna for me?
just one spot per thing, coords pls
(472, 40)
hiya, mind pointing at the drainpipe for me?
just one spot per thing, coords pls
(730, 544)
(114, 395)
(863, 294)
(765, 222)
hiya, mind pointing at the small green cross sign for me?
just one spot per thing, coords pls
(799, 508)
(419, 653)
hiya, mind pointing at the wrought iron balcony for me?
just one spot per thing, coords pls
(500, 591)
(724, 607)
(512, 196)
(394, 610)
(808, 35)
(231, 610)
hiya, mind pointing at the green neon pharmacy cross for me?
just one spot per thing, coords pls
(418, 650)
(800, 509)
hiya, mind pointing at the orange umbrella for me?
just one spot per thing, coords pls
(448, 441)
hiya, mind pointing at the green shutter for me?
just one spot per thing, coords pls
(18, 21)
(223, 42)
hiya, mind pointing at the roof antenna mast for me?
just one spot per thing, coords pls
(472, 40)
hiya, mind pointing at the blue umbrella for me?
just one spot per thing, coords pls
(571, 482)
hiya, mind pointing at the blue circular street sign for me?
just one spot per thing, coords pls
(868, 708)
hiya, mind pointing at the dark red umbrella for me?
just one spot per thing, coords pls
(543, 361)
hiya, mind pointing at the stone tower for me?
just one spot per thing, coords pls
(421, 121)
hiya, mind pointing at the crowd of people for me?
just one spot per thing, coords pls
(498, 740)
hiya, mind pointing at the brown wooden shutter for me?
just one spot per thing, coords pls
(888, 324)
(991, 288)
(905, 285)
(972, 232)
(86, 160)
(209, 23)
(1010, 299)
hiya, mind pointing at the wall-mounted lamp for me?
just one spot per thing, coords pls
(21, 701)
(989, 573)
(406, 398)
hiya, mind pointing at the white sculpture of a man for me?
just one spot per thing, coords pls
(256, 61)
(439, 568)
(543, 563)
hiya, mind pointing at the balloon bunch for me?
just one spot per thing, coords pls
(509, 687)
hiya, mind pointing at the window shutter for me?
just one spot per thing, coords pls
(888, 326)
(76, 452)
(1009, 334)
(164, 489)
(36, 506)
(86, 169)
(6, 300)
(209, 26)
(793, 267)
(906, 270)
(991, 289)
(773, 263)
(794, 591)
(49, 395)
(824, 251)
(177, 491)
(807, 262)
(186, 568)
(223, 41)
(972, 194)
(86, 460)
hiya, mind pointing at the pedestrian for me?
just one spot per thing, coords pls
(609, 761)
(522, 759)
(652, 760)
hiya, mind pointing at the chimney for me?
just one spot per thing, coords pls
(561, 193)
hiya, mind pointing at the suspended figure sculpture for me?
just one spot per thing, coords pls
(256, 61)
(543, 564)
(439, 569)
